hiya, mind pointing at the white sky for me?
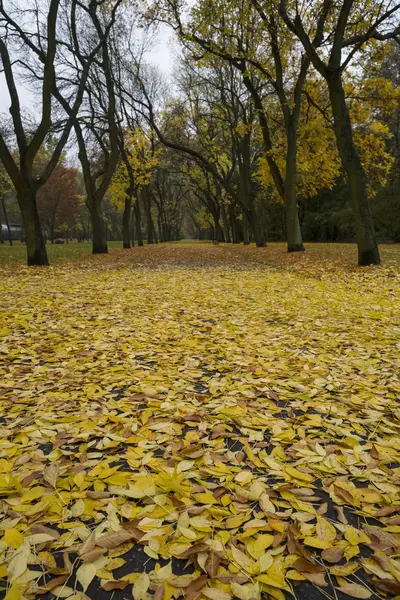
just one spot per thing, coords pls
(161, 55)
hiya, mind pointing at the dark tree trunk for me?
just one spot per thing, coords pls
(126, 224)
(254, 221)
(138, 222)
(246, 236)
(3, 204)
(99, 229)
(368, 253)
(250, 217)
(293, 231)
(219, 234)
(234, 226)
(132, 228)
(227, 233)
(35, 242)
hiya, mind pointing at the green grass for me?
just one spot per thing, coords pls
(58, 253)
(187, 251)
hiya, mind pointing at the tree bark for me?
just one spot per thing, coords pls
(227, 233)
(132, 228)
(3, 204)
(126, 224)
(368, 253)
(138, 222)
(35, 242)
(99, 230)
(250, 217)
(293, 231)
(234, 225)
(246, 237)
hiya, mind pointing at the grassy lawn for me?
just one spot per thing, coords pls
(191, 411)
(58, 253)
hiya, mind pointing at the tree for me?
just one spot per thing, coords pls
(250, 37)
(30, 49)
(5, 189)
(58, 201)
(95, 125)
(347, 26)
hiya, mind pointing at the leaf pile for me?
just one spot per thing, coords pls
(202, 432)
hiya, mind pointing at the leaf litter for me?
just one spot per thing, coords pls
(199, 432)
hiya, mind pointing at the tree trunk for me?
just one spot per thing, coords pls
(132, 227)
(250, 217)
(234, 225)
(246, 237)
(138, 222)
(255, 225)
(227, 233)
(3, 204)
(368, 253)
(147, 208)
(99, 230)
(293, 231)
(35, 242)
(219, 234)
(126, 224)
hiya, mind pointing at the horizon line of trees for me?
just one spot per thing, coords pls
(283, 122)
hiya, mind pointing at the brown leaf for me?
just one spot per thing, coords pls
(53, 583)
(304, 566)
(344, 494)
(159, 593)
(341, 516)
(389, 586)
(240, 456)
(88, 544)
(93, 555)
(386, 539)
(195, 549)
(316, 578)
(212, 564)
(385, 511)
(112, 540)
(43, 529)
(50, 475)
(232, 578)
(98, 495)
(115, 585)
(29, 478)
(193, 590)
(333, 555)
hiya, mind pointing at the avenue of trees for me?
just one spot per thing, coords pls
(281, 121)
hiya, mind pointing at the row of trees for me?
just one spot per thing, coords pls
(274, 103)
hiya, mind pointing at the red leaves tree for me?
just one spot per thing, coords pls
(58, 202)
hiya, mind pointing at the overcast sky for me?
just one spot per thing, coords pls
(161, 55)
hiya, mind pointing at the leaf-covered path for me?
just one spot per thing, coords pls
(199, 421)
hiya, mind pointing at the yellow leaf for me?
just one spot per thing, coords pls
(240, 557)
(265, 562)
(140, 586)
(13, 538)
(13, 593)
(215, 594)
(85, 574)
(294, 473)
(355, 590)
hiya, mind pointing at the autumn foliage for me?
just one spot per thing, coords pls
(201, 421)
